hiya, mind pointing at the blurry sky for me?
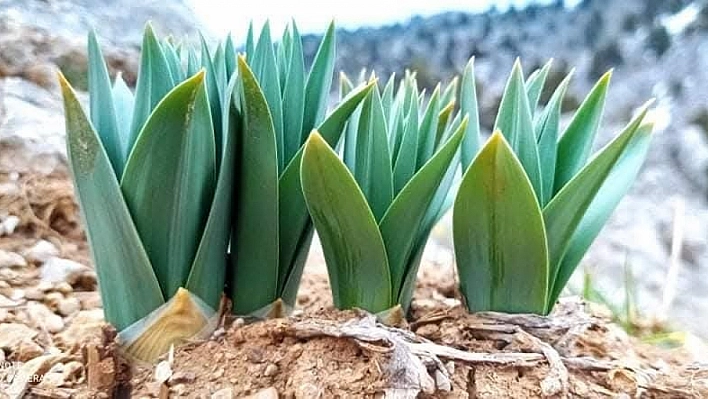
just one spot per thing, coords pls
(314, 15)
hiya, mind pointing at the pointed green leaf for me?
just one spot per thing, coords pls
(351, 242)
(206, 280)
(123, 101)
(103, 115)
(535, 83)
(547, 129)
(214, 93)
(428, 129)
(514, 121)
(404, 167)
(230, 56)
(565, 211)
(443, 124)
(450, 93)
(500, 245)
(319, 82)
(402, 223)
(293, 218)
(193, 65)
(468, 105)
(169, 195)
(250, 44)
(255, 236)
(291, 282)
(129, 288)
(173, 61)
(620, 179)
(575, 145)
(294, 98)
(373, 162)
(154, 82)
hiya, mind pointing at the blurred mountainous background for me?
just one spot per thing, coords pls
(658, 49)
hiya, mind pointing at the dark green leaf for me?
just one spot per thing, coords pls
(468, 105)
(319, 82)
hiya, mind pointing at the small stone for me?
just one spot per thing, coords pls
(153, 388)
(9, 224)
(217, 374)
(45, 286)
(28, 350)
(34, 293)
(11, 259)
(268, 393)
(270, 370)
(56, 270)
(89, 299)
(69, 306)
(12, 334)
(4, 316)
(53, 299)
(45, 318)
(85, 327)
(41, 252)
(224, 393)
(17, 294)
(64, 288)
(73, 371)
(6, 302)
(182, 376)
(179, 390)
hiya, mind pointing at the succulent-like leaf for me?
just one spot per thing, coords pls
(103, 115)
(319, 82)
(351, 241)
(128, 285)
(404, 219)
(535, 83)
(547, 129)
(565, 211)
(123, 102)
(500, 244)
(206, 279)
(428, 129)
(514, 121)
(255, 236)
(575, 145)
(169, 196)
(294, 98)
(173, 61)
(468, 105)
(373, 161)
(214, 93)
(154, 82)
(450, 93)
(293, 218)
(616, 185)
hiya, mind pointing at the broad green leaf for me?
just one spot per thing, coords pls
(535, 83)
(103, 114)
(450, 93)
(500, 245)
(404, 167)
(443, 123)
(575, 146)
(468, 105)
(291, 283)
(123, 101)
(294, 98)
(319, 82)
(373, 162)
(620, 179)
(129, 288)
(402, 223)
(255, 236)
(293, 218)
(267, 73)
(173, 61)
(154, 82)
(428, 129)
(514, 121)
(206, 280)
(565, 211)
(351, 242)
(169, 196)
(214, 93)
(230, 56)
(547, 129)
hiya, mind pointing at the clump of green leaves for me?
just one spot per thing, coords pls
(281, 104)
(374, 210)
(153, 173)
(532, 201)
